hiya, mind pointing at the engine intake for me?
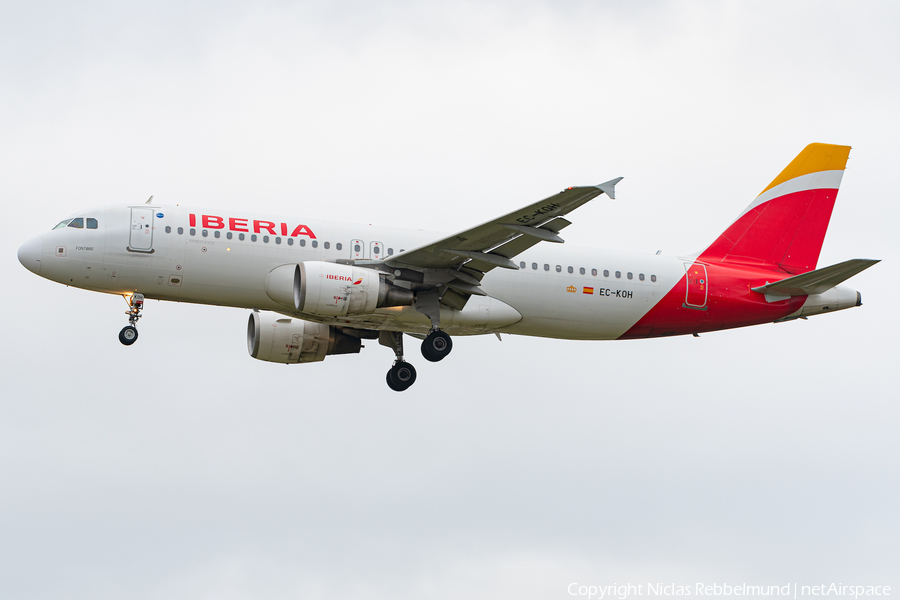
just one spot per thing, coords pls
(283, 340)
(333, 290)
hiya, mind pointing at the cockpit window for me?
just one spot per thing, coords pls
(78, 223)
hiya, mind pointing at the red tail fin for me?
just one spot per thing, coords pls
(783, 229)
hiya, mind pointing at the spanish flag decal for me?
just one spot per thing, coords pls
(588, 290)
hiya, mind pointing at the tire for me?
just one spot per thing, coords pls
(436, 346)
(128, 335)
(391, 383)
(401, 376)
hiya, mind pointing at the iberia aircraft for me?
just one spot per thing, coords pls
(317, 288)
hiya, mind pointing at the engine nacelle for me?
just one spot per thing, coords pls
(283, 340)
(333, 290)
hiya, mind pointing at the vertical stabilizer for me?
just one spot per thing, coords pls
(783, 229)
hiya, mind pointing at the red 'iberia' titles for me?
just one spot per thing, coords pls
(243, 225)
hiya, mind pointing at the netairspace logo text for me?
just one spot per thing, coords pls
(791, 590)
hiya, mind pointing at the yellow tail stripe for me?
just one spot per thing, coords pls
(812, 159)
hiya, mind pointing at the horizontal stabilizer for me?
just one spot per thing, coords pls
(818, 281)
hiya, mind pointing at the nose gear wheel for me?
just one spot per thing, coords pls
(129, 333)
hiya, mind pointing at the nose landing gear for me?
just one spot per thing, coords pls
(129, 333)
(402, 374)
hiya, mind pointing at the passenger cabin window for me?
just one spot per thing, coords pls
(594, 272)
(558, 268)
(653, 278)
(327, 245)
(229, 235)
(315, 244)
(193, 231)
(618, 274)
(253, 237)
(168, 229)
(302, 242)
(216, 233)
(290, 241)
(278, 240)
(641, 276)
(521, 265)
(241, 237)
(534, 266)
(606, 272)
(546, 267)
(339, 245)
(180, 231)
(204, 233)
(630, 275)
(571, 270)
(581, 270)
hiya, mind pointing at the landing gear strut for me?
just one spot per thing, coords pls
(129, 333)
(402, 374)
(436, 345)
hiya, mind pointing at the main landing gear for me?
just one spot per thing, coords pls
(129, 333)
(436, 345)
(402, 374)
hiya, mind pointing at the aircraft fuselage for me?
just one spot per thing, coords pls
(560, 291)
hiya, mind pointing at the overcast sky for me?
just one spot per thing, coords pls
(182, 468)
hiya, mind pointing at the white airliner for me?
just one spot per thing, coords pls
(317, 288)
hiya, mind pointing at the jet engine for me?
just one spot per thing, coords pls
(333, 290)
(283, 340)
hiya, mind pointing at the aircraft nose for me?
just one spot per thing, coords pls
(30, 254)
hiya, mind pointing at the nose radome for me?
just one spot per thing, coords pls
(30, 254)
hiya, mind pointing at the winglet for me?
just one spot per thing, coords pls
(609, 188)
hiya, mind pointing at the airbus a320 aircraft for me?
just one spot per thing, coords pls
(317, 288)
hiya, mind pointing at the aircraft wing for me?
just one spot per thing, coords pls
(494, 243)
(453, 267)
